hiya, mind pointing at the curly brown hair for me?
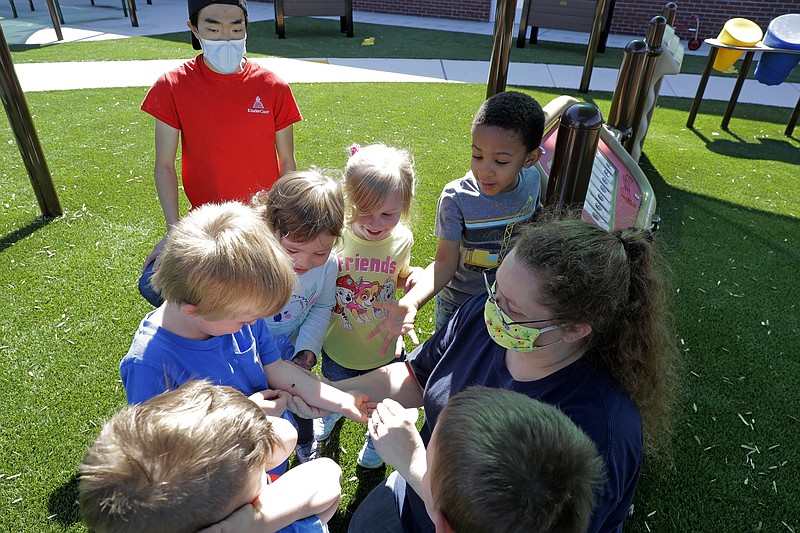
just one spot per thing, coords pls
(302, 205)
(615, 282)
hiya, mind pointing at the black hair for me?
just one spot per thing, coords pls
(516, 112)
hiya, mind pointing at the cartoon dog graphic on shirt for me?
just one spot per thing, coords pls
(366, 293)
(345, 294)
(386, 294)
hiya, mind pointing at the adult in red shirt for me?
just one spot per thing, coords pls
(233, 119)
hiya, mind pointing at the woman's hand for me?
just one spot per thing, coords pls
(359, 410)
(394, 432)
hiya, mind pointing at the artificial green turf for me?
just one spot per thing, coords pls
(314, 38)
(728, 200)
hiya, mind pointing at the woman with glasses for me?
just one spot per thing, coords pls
(575, 318)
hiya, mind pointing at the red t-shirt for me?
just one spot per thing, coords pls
(227, 123)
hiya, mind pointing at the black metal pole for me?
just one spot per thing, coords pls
(626, 93)
(655, 35)
(573, 155)
(54, 17)
(793, 120)
(748, 60)
(670, 12)
(591, 51)
(19, 116)
(501, 48)
(701, 87)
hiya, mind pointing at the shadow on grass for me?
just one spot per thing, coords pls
(760, 148)
(17, 235)
(735, 310)
(63, 503)
(366, 479)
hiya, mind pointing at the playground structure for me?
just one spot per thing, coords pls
(589, 163)
(780, 53)
(620, 169)
(583, 163)
(604, 150)
(54, 8)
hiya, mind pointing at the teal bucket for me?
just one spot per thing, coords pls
(775, 67)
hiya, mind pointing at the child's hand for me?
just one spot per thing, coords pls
(359, 410)
(393, 430)
(155, 256)
(305, 359)
(272, 402)
(303, 410)
(398, 322)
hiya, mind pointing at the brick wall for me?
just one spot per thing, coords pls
(632, 16)
(474, 10)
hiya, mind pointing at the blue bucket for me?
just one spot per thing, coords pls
(775, 67)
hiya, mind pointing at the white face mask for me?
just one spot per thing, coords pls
(224, 56)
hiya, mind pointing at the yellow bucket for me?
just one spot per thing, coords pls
(736, 32)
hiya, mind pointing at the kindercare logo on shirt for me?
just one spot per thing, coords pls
(258, 107)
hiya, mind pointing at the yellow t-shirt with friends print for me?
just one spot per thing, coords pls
(368, 272)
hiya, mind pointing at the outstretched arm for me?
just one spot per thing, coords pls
(401, 315)
(396, 381)
(312, 488)
(296, 381)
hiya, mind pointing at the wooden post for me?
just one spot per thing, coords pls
(19, 116)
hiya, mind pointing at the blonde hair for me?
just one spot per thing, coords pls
(375, 172)
(224, 259)
(302, 205)
(177, 462)
(507, 462)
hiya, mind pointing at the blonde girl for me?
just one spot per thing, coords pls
(374, 260)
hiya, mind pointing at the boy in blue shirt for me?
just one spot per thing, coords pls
(223, 270)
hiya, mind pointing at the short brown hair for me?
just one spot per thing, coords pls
(177, 462)
(224, 259)
(302, 205)
(375, 172)
(507, 462)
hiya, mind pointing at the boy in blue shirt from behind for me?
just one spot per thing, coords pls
(187, 458)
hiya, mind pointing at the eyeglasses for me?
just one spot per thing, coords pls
(507, 322)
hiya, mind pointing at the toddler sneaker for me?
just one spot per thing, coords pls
(324, 426)
(368, 457)
(307, 452)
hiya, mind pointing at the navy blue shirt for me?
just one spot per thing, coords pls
(463, 354)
